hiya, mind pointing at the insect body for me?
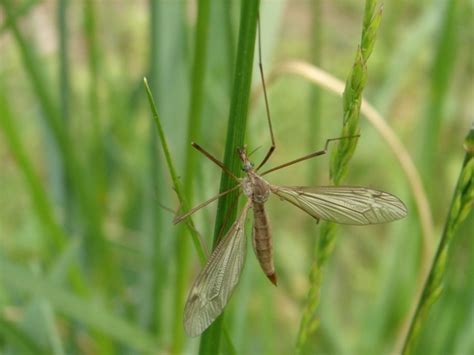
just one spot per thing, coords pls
(346, 205)
(258, 191)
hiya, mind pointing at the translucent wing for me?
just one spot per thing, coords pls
(214, 285)
(345, 205)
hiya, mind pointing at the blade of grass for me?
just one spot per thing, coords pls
(18, 339)
(19, 12)
(210, 340)
(96, 153)
(152, 313)
(314, 117)
(95, 316)
(44, 210)
(315, 92)
(193, 129)
(174, 176)
(340, 158)
(441, 75)
(461, 204)
(96, 248)
(64, 100)
(53, 333)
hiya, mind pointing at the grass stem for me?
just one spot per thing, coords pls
(340, 158)
(210, 340)
(461, 204)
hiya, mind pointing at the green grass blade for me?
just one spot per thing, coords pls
(22, 10)
(18, 339)
(461, 204)
(91, 315)
(210, 340)
(96, 151)
(151, 311)
(97, 250)
(172, 170)
(193, 127)
(340, 158)
(64, 99)
(441, 75)
(43, 207)
(315, 92)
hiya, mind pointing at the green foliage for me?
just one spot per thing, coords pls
(461, 205)
(93, 169)
(340, 158)
(226, 211)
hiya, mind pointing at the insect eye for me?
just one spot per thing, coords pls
(247, 166)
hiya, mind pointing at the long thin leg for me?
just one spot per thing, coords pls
(178, 219)
(267, 107)
(214, 160)
(309, 156)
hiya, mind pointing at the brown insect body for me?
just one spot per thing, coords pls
(338, 204)
(258, 190)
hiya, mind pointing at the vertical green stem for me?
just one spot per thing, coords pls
(461, 204)
(97, 151)
(340, 158)
(193, 126)
(314, 117)
(235, 138)
(155, 216)
(64, 96)
(56, 239)
(441, 75)
(315, 93)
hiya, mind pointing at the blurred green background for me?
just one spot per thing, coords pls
(90, 262)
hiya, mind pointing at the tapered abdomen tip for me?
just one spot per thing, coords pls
(273, 278)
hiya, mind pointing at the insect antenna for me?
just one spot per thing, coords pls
(253, 151)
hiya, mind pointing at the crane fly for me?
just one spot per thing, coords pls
(213, 286)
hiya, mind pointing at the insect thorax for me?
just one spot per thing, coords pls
(255, 188)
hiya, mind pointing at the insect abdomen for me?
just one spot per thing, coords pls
(262, 241)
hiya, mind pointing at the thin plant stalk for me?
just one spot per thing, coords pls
(314, 117)
(172, 170)
(153, 241)
(340, 158)
(210, 340)
(461, 205)
(64, 99)
(96, 152)
(441, 74)
(193, 128)
(315, 92)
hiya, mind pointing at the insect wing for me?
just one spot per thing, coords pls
(214, 285)
(345, 205)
